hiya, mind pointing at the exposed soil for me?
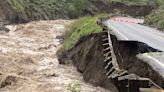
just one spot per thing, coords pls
(126, 53)
(28, 61)
(90, 62)
(87, 56)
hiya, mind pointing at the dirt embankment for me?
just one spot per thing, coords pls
(87, 56)
(126, 53)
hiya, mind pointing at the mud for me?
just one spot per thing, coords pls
(87, 56)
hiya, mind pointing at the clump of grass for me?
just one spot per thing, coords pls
(74, 86)
(81, 27)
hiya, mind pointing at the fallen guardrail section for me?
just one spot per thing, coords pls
(128, 72)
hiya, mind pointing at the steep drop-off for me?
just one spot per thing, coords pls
(126, 53)
(87, 56)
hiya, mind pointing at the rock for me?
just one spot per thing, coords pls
(9, 80)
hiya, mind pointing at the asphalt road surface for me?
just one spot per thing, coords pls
(136, 32)
(126, 31)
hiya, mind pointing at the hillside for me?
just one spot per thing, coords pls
(25, 10)
(18, 11)
(21, 11)
(156, 18)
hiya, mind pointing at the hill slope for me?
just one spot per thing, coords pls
(20, 11)
(25, 10)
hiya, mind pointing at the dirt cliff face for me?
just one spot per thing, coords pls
(126, 54)
(87, 56)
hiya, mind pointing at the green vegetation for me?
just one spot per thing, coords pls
(27, 10)
(81, 27)
(46, 9)
(43, 9)
(74, 86)
(75, 9)
(156, 19)
(38, 9)
(159, 2)
(141, 2)
(133, 2)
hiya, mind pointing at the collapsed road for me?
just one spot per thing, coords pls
(127, 51)
(127, 31)
(120, 60)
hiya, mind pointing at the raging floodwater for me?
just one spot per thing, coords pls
(28, 61)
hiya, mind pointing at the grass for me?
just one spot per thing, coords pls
(74, 86)
(36, 10)
(81, 27)
(133, 2)
(155, 19)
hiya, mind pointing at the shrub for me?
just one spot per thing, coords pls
(36, 9)
(74, 86)
(75, 9)
(156, 19)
